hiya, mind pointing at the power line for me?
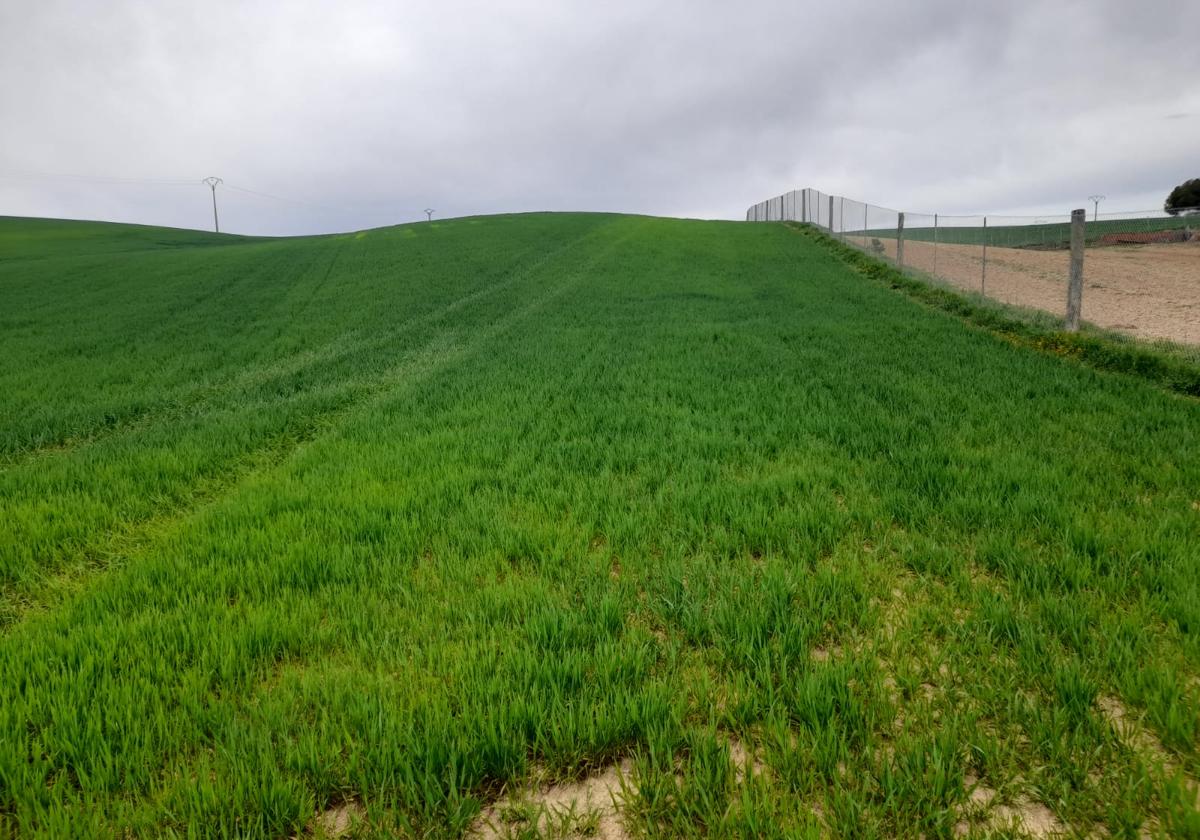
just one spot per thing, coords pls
(357, 208)
(275, 197)
(317, 205)
(96, 179)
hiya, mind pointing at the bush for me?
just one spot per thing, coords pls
(1184, 199)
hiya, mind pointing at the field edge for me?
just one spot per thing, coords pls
(1168, 368)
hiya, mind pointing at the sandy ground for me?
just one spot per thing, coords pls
(1151, 291)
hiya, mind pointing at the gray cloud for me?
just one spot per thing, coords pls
(364, 113)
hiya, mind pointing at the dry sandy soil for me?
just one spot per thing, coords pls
(1150, 291)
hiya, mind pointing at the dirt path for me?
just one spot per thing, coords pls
(1151, 291)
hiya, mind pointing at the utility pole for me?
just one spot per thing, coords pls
(212, 182)
(429, 214)
(1075, 282)
(1096, 199)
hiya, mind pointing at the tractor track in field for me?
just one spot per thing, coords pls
(113, 545)
(294, 364)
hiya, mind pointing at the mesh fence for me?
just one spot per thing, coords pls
(1141, 269)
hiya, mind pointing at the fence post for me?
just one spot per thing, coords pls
(983, 276)
(935, 243)
(804, 205)
(842, 215)
(900, 241)
(831, 214)
(1075, 286)
(866, 210)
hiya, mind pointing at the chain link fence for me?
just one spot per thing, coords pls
(1141, 270)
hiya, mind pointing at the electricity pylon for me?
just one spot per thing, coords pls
(212, 182)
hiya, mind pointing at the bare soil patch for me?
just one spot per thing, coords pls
(745, 763)
(1150, 291)
(585, 808)
(338, 821)
(1030, 817)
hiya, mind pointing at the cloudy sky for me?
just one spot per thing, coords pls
(324, 116)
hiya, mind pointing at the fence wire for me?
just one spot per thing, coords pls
(1141, 269)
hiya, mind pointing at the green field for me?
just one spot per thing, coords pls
(402, 521)
(1053, 235)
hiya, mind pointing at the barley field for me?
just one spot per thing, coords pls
(572, 525)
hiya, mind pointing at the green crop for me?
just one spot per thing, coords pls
(406, 518)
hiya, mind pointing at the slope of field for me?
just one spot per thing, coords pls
(429, 529)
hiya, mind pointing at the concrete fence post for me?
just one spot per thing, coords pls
(831, 214)
(983, 275)
(935, 241)
(900, 241)
(1075, 286)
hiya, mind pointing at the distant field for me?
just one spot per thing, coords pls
(1049, 235)
(413, 529)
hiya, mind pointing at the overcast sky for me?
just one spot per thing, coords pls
(364, 113)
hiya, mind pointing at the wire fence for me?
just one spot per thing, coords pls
(1141, 270)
